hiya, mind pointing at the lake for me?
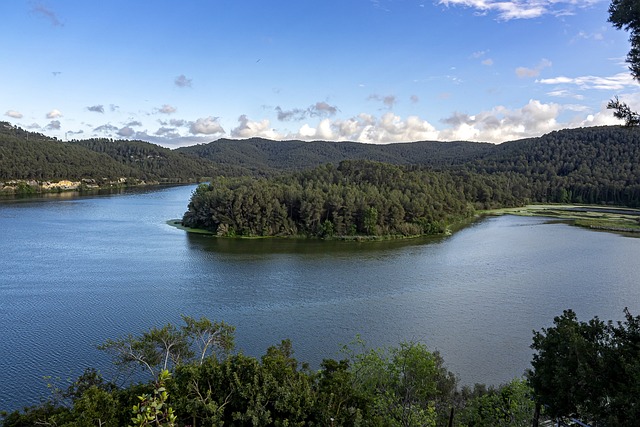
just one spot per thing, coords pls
(75, 271)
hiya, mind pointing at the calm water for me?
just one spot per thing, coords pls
(76, 271)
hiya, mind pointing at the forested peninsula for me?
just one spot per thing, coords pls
(364, 198)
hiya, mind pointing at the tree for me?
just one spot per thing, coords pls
(155, 350)
(208, 337)
(624, 112)
(625, 14)
(162, 349)
(566, 365)
(588, 370)
(509, 405)
(154, 410)
(407, 384)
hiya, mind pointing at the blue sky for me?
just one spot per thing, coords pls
(376, 71)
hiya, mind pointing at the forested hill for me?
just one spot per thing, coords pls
(28, 155)
(155, 162)
(33, 156)
(588, 165)
(263, 156)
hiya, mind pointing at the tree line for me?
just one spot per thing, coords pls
(356, 198)
(589, 371)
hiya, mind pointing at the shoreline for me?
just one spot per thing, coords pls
(615, 219)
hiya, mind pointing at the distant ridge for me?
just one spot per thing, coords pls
(584, 165)
(263, 155)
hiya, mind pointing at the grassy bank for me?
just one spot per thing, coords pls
(605, 218)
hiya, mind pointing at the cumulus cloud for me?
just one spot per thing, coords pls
(133, 123)
(167, 132)
(13, 114)
(501, 124)
(174, 122)
(206, 126)
(178, 122)
(182, 81)
(523, 72)
(106, 129)
(126, 132)
(167, 109)
(370, 129)
(96, 108)
(612, 83)
(53, 125)
(248, 129)
(521, 9)
(54, 114)
(319, 109)
(496, 125)
(39, 9)
(389, 100)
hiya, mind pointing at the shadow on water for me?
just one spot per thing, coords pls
(302, 246)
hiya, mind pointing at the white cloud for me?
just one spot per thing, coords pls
(54, 114)
(388, 100)
(521, 9)
(106, 129)
(13, 114)
(96, 108)
(488, 62)
(533, 72)
(206, 126)
(616, 82)
(167, 109)
(248, 129)
(182, 81)
(563, 93)
(319, 109)
(366, 128)
(53, 125)
(126, 132)
(501, 124)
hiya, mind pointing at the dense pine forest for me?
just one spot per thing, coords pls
(355, 198)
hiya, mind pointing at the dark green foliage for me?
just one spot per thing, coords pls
(589, 165)
(624, 112)
(33, 156)
(510, 405)
(625, 14)
(152, 161)
(589, 370)
(160, 349)
(28, 155)
(263, 156)
(407, 385)
(363, 198)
